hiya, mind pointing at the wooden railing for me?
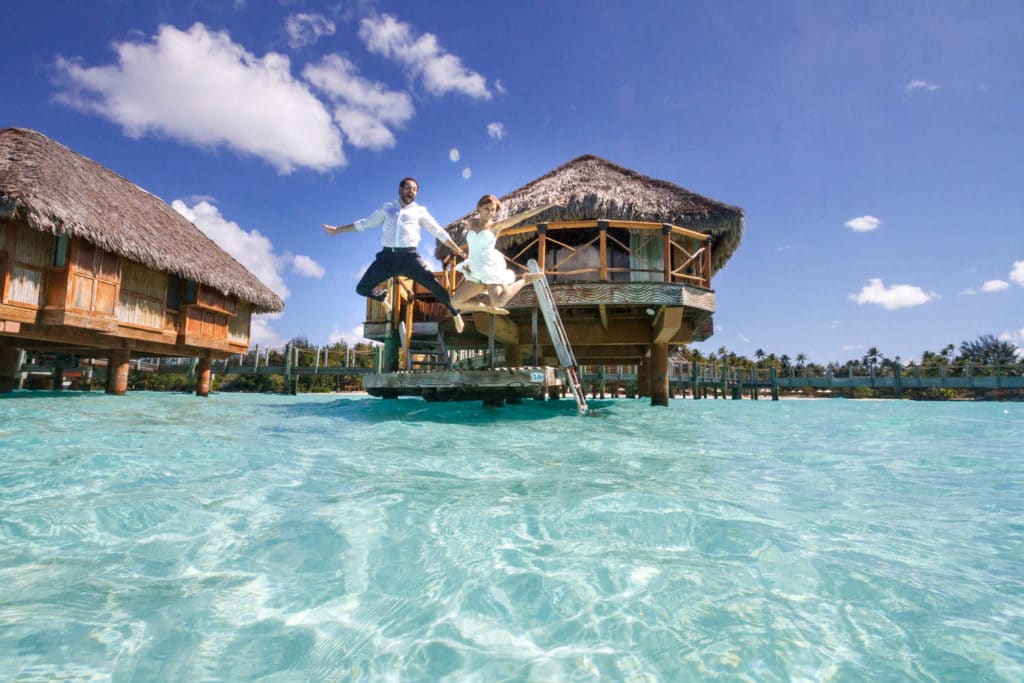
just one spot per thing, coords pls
(682, 255)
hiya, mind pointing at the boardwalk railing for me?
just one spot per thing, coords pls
(702, 379)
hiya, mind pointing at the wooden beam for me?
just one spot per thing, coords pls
(37, 335)
(602, 310)
(585, 354)
(620, 294)
(100, 322)
(505, 331)
(18, 314)
(668, 324)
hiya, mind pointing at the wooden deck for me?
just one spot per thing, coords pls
(492, 386)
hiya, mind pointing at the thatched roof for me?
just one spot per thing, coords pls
(591, 188)
(56, 190)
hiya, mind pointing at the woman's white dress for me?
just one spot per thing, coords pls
(485, 263)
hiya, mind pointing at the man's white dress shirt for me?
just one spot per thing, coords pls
(402, 224)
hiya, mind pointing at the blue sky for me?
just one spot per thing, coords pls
(875, 147)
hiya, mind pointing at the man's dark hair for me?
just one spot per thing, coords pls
(402, 184)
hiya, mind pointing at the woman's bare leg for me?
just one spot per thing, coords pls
(466, 291)
(502, 295)
(463, 299)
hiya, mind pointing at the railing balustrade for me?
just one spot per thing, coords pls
(617, 251)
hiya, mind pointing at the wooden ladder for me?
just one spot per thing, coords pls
(428, 343)
(558, 337)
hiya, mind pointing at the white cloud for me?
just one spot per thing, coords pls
(251, 249)
(496, 130)
(262, 334)
(852, 347)
(863, 223)
(422, 56)
(500, 87)
(995, 285)
(744, 338)
(970, 291)
(365, 110)
(350, 338)
(199, 87)
(897, 296)
(303, 265)
(1016, 338)
(432, 263)
(920, 85)
(784, 247)
(305, 29)
(1017, 274)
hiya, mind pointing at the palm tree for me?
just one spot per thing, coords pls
(988, 350)
(871, 357)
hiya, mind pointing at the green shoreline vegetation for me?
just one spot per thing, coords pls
(984, 356)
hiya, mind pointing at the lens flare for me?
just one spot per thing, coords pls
(453, 154)
(467, 173)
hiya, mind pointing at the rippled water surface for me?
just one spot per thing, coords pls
(163, 537)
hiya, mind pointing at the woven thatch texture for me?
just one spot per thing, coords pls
(56, 190)
(591, 188)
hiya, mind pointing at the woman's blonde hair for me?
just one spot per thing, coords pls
(489, 199)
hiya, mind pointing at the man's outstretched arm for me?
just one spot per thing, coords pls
(333, 230)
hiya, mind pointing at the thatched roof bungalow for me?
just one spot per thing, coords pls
(91, 263)
(592, 188)
(628, 263)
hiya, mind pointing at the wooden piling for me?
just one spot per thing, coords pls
(8, 368)
(203, 374)
(659, 374)
(117, 372)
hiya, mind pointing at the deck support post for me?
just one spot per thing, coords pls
(9, 368)
(775, 385)
(542, 245)
(117, 372)
(203, 374)
(643, 377)
(602, 250)
(659, 374)
(666, 250)
(513, 356)
(58, 375)
(533, 336)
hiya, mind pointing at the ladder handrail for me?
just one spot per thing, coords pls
(558, 336)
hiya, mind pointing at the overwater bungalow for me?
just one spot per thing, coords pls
(93, 266)
(629, 260)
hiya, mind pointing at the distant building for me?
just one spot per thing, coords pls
(91, 265)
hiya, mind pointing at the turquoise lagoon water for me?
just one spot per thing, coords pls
(163, 537)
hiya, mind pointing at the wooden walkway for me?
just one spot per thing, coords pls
(704, 380)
